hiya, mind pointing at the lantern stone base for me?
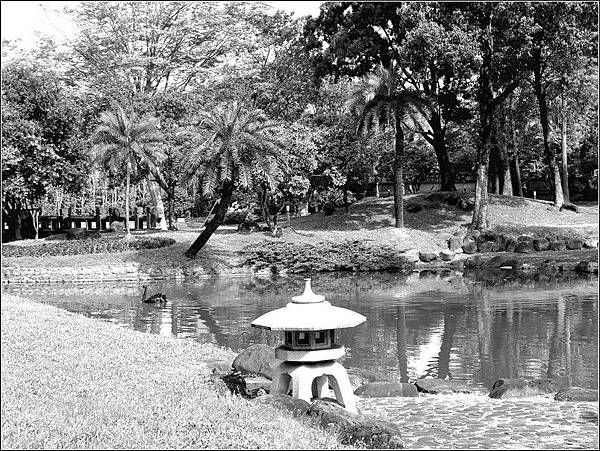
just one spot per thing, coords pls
(308, 380)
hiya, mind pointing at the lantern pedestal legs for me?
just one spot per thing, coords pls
(324, 374)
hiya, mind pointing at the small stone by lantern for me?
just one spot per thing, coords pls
(310, 351)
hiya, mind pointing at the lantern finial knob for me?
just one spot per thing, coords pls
(308, 297)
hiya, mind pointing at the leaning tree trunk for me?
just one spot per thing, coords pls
(215, 222)
(398, 166)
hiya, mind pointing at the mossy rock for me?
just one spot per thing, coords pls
(541, 244)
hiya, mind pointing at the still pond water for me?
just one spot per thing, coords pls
(475, 328)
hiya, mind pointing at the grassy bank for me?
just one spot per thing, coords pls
(72, 382)
(369, 221)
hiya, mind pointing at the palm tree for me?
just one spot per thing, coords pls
(380, 101)
(127, 142)
(229, 148)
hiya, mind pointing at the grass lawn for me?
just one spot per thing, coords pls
(369, 220)
(72, 382)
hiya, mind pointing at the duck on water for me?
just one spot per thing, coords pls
(158, 298)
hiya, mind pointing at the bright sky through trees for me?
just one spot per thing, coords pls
(23, 19)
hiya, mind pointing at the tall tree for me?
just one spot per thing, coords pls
(433, 55)
(381, 101)
(229, 147)
(42, 149)
(126, 142)
(498, 29)
(561, 36)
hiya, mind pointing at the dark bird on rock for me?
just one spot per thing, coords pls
(158, 298)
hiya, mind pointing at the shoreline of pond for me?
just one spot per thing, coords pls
(97, 270)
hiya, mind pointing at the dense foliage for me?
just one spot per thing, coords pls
(502, 93)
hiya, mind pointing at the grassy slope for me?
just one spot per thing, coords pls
(371, 219)
(72, 382)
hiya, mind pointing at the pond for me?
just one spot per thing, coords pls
(476, 328)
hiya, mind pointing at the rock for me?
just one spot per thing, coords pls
(499, 261)
(557, 246)
(414, 208)
(569, 206)
(56, 237)
(454, 243)
(357, 429)
(499, 244)
(386, 389)
(258, 359)
(77, 233)
(427, 256)
(436, 386)
(501, 386)
(485, 247)
(452, 199)
(511, 245)
(524, 247)
(541, 244)
(474, 262)
(524, 238)
(587, 267)
(446, 255)
(471, 235)
(469, 247)
(297, 406)
(574, 245)
(411, 255)
(588, 244)
(117, 226)
(577, 394)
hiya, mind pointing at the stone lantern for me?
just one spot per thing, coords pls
(310, 351)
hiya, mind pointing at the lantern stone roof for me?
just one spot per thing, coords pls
(308, 312)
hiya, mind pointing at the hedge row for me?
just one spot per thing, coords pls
(324, 256)
(91, 246)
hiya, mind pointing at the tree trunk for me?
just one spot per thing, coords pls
(503, 154)
(481, 198)
(154, 191)
(127, 188)
(171, 208)
(398, 166)
(35, 219)
(550, 158)
(447, 175)
(565, 169)
(212, 225)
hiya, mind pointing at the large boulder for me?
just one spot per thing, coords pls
(386, 389)
(454, 243)
(541, 244)
(485, 247)
(574, 245)
(297, 406)
(577, 394)
(557, 246)
(524, 247)
(501, 386)
(446, 255)
(469, 247)
(357, 429)
(258, 359)
(427, 256)
(510, 245)
(77, 233)
(436, 386)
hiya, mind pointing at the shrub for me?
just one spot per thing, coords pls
(324, 256)
(235, 216)
(92, 246)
